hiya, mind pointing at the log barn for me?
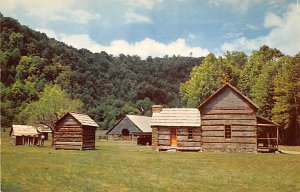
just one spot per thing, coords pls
(228, 121)
(175, 129)
(132, 126)
(24, 135)
(75, 131)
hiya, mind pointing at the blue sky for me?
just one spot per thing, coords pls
(164, 27)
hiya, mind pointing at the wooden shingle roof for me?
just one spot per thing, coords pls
(142, 122)
(26, 130)
(177, 117)
(81, 118)
(43, 129)
(84, 119)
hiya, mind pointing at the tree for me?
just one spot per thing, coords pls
(256, 62)
(203, 80)
(52, 104)
(287, 98)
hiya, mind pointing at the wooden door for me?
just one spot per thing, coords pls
(173, 137)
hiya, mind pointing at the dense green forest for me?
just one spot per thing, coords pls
(107, 87)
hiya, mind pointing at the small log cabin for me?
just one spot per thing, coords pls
(24, 135)
(45, 130)
(228, 121)
(132, 126)
(75, 131)
(175, 128)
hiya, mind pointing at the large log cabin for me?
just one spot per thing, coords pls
(75, 131)
(228, 122)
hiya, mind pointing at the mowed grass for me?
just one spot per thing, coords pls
(121, 166)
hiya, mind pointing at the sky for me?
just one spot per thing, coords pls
(164, 27)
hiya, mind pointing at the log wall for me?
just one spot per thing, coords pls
(161, 138)
(88, 137)
(228, 108)
(69, 134)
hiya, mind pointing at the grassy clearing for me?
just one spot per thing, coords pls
(120, 166)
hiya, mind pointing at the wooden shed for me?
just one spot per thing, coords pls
(228, 121)
(24, 135)
(132, 126)
(45, 130)
(75, 131)
(175, 129)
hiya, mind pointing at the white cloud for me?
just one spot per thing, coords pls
(284, 34)
(48, 32)
(252, 27)
(239, 6)
(272, 20)
(144, 4)
(131, 17)
(144, 48)
(55, 10)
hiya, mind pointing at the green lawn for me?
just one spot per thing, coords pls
(121, 166)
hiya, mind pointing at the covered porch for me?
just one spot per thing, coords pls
(267, 135)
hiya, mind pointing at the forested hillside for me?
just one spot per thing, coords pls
(109, 86)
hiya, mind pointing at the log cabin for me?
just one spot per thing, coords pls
(225, 121)
(132, 126)
(75, 131)
(24, 135)
(228, 121)
(175, 129)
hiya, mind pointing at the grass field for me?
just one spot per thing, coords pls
(121, 166)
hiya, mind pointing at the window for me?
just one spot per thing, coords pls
(227, 131)
(190, 133)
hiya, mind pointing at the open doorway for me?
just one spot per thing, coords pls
(125, 133)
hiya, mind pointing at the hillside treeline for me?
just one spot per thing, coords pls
(109, 86)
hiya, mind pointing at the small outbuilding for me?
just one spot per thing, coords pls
(75, 131)
(44, 130)
(176, 129)
(24, 135)
(132, 126)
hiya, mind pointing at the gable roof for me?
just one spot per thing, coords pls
(177, 117)
(26, 130)
(142, 122)
(232, 88)
(81, 118)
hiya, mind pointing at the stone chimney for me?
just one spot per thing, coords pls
(156, 108)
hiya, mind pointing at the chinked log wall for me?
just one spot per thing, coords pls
(243, 129)
(183, 142)
(68, 134)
